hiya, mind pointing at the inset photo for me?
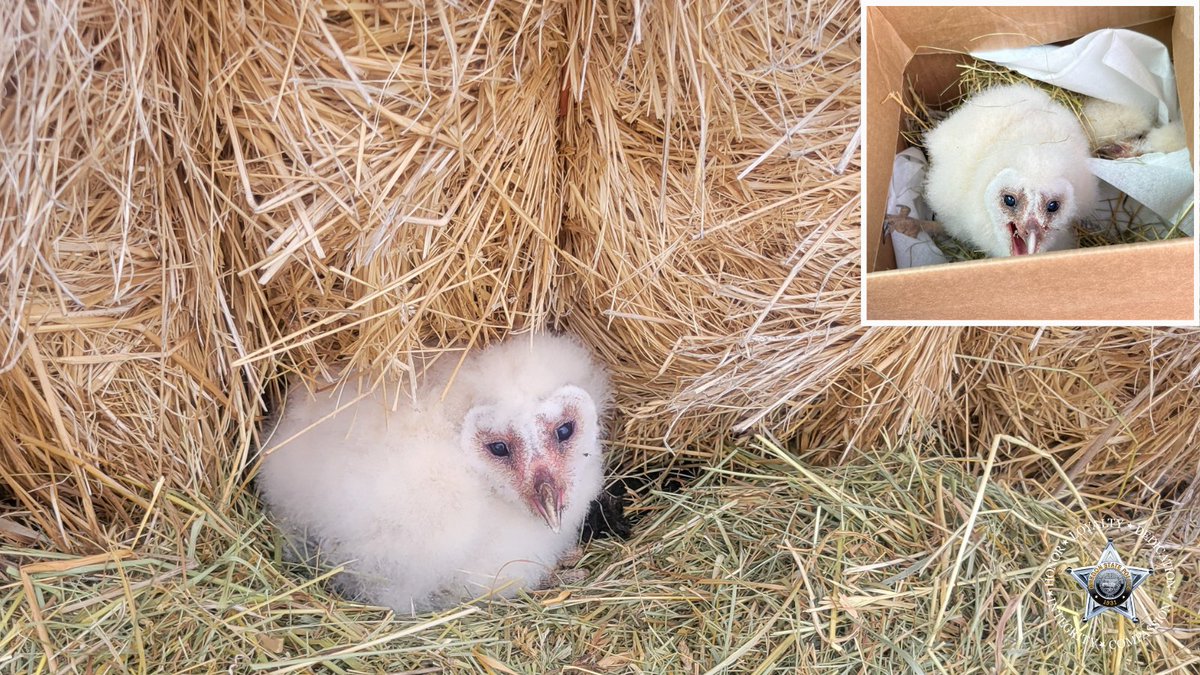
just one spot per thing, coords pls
(1030, 165)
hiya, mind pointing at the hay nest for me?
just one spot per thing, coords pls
(891, 563)
(203, 197)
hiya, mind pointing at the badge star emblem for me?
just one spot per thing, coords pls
(1110, 584)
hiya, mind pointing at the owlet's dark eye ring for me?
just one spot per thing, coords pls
(1052, 207)
(1010, 200)
(498, 449)
(564, 431)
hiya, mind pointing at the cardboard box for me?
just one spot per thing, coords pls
(1137, 283)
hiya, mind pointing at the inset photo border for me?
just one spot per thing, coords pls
(914, 58)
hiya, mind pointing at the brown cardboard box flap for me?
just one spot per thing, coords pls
(1132, 282)
(1183, 50)
(973, 29)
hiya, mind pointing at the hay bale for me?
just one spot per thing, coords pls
(715, 248)
(712, 210)
(207, 194)
(121, 318)
(396, 166)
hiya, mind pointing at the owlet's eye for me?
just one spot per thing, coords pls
(564, 431)
(498, 448)
(1052, 207)
(1010, 200)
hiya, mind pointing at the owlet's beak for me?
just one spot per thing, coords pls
(1025, 240)
(548, 502)
(1031, 241)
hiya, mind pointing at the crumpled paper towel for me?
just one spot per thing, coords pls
(908, 182)
(1130, 69)
(1150, 179)
(1112, 64)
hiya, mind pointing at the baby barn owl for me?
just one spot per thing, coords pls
(1008, 172)
(442, 499)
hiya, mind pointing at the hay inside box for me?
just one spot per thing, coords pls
(1138, 282)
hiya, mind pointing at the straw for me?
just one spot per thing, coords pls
(903, 560)
(205, 202)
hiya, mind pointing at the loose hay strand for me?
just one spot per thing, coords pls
(970, 526)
